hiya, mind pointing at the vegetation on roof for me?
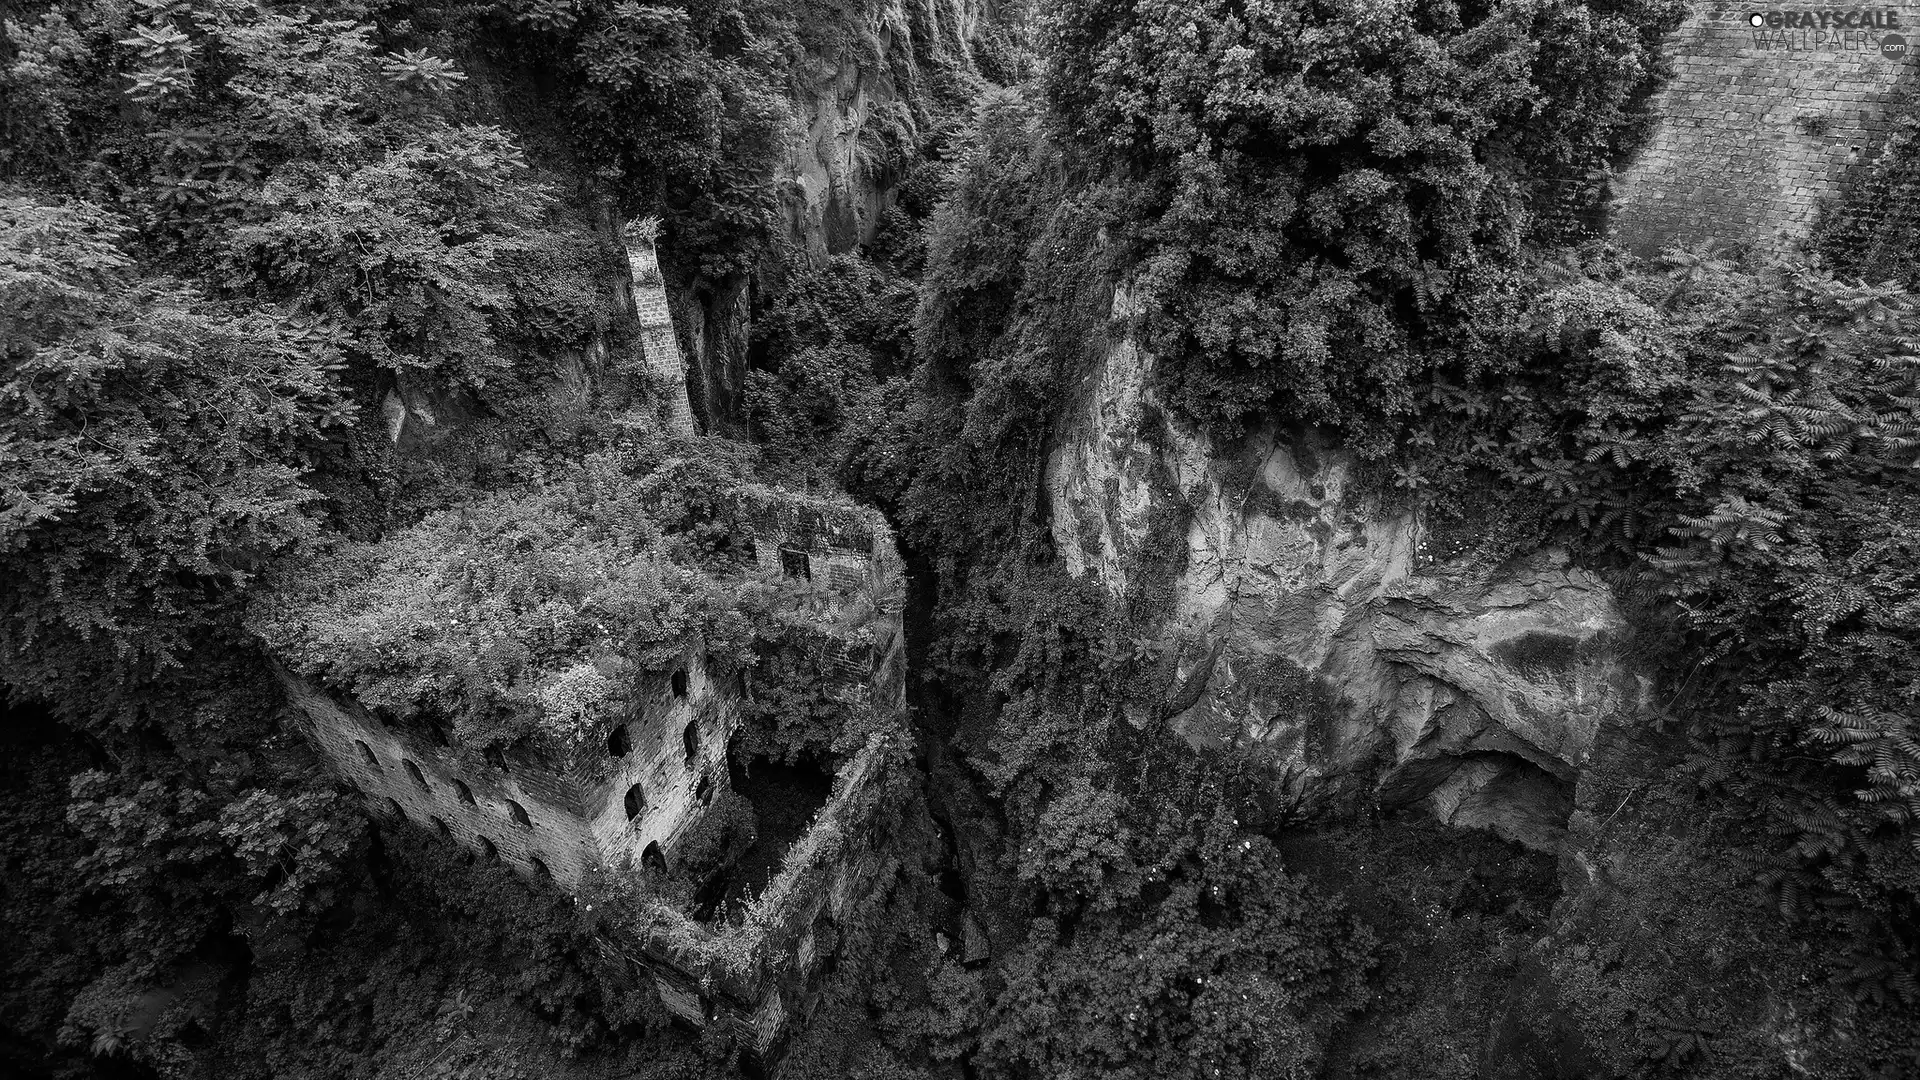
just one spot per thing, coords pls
(525, 614)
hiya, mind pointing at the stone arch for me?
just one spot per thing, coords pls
(636, 801)
(690, 739)
(487, 850)
(519, 814)
(653, 858)
(398, 811)
(466, 793)
(703, 791)
(540, 868)
(414, 771)
(679, 681)
(439, 825)
(367, 754)
(619, 743)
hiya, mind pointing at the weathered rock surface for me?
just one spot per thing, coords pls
(1302, 617)
(861, 106)
(871, 90)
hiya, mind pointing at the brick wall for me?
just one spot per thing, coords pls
(659, 763)
(660, 351)
(853, 560)
(1756, 127)
(754, 981)
(574, 821)
(374, 759)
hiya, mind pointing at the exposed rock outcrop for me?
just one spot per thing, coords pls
(860, 110)
(869, 93)
(1301, 615)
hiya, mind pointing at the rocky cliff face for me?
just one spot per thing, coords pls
(862, 108)
(864, 102)
(1304, 617)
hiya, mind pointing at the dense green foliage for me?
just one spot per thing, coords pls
(235, 239)
(236, 236)
(1325, 190)
(153, 447)
(1736, 445)
(1748, 440)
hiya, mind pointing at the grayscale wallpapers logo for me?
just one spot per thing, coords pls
(1858, 30)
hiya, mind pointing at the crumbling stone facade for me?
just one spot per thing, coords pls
(660, 350)
(1760, 123)
(622, 805)
(663, 766)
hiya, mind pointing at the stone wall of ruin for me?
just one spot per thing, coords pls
(752, 981)
(659, 348)
(575, 820)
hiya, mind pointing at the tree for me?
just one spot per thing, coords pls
(152, 446)
(1328, 186)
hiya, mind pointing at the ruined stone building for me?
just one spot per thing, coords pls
(623, 799)
(662, 769)
(624, 803)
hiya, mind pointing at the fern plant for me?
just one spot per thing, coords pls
(1883, 743)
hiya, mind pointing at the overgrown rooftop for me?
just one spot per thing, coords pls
(534, 614)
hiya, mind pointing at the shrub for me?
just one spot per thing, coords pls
(152, 450)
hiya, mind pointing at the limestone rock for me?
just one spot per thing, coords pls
(1306, 620)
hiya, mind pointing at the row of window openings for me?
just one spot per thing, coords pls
(651, 857)
(636, 800)
(620, 744)
(514, 809)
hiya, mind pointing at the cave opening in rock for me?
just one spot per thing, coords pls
(1504, 793)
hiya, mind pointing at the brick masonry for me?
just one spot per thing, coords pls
(660, 350)
(1757, 127)
(751, 981)
(575, 820)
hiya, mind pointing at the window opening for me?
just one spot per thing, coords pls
(465, 792)
(618, 744)
(652, 858)
(487, 850)
(795, 563)
(680, 683)
(367, 753)
(690, 738)
(440, 826)
(414, 771)
(636, 801)
(394, 805)
(540, 868)
(519, 813)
